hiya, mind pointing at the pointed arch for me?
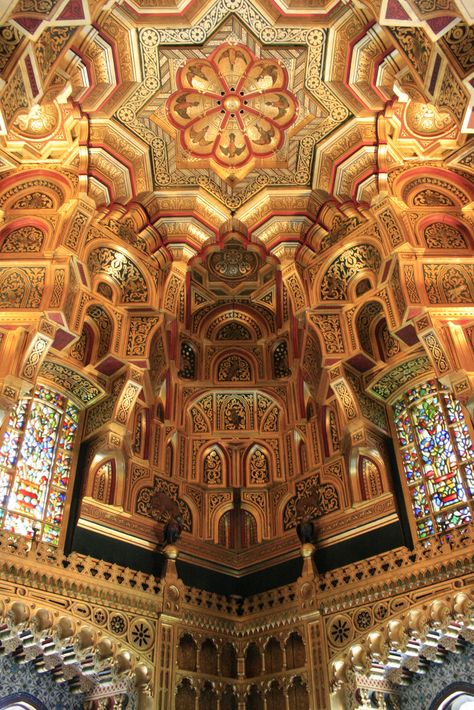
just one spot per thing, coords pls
(258, 465)
(106, 478)
(214, 465)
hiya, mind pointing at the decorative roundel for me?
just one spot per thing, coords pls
(380, 611)
(100, 616)
(141, 634)
(118, 624)
(232, 107)
(363, 619)
(233, 263)
(341, 630)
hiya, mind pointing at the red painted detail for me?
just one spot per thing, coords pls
(407, 334)
(30, 24)
(438, 24)
(109, 365)
(56, 317)
(361, 362)
(173, 14)
(395, 11)
(73, 11)
(82, 273)
(62, 339)
(31, 75)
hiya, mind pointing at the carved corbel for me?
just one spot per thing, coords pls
(328, 324)
(37, 350)
(344, 393)
(127, 397)
(176, 278)
(286, 252)
(435, 348)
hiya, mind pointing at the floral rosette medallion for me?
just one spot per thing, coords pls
(232, 108)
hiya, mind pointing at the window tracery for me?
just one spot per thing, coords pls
(259, 469)
(438, 458)
(281, 366)
(213, 468)
(237, 529)
(104, 482)
(234, 368)
(188, 361)
(35, 464)
(370, 478)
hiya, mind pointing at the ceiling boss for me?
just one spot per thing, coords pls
(232, 108)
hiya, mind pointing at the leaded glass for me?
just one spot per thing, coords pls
(419, 501)
(425, 528)
(469, 473)
(412, 467)
(460, 516)
(35, 464)
(438, 457)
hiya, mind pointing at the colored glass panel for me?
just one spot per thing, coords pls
(404, 431)
(469, 472)
(35, 464)
(410, 462)
(19, 524)
(30, 487)
(62, 470)
(50, 534)
(445, 491)
(436, 449)
(454, 518)
(425, 528)
(419, 501)
(55, 507)
(12, 439)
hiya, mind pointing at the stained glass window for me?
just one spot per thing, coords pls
(35, 465)
(438, 458)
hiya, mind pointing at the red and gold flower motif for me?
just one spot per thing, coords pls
(232, 107)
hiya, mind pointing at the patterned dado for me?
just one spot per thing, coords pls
(236, 353)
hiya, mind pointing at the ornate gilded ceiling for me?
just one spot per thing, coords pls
(232, 231)
(155, 87)
(231, 110)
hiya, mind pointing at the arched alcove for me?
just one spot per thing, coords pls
(228, 661)
(208, 697)
(185, 696)
(275, 698)
(254, 699)
(370, 478)
(298, 697)
(273, 656)
(187, 653)
(229, 699)
(208, 658)
(253, 661)
(295, 651)
(103, 486)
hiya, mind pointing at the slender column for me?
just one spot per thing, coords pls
(236, 473)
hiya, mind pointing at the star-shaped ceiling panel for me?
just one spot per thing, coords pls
(232, 108)
(230, 113)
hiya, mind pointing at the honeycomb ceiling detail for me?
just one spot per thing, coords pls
(231, 230)
(232, 108)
